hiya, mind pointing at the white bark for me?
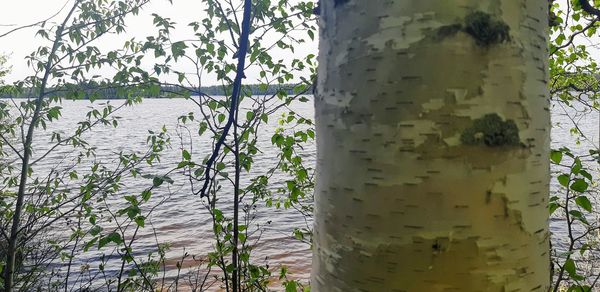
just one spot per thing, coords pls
(403, 203)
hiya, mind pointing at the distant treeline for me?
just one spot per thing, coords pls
(87, 91)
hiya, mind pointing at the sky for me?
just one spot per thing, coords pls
(23, 12)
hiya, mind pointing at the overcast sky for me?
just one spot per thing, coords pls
(22, 43)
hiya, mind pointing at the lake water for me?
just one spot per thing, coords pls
(182, 220)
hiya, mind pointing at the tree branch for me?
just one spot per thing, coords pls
(235, 95)
(34, 24)
(587, 7)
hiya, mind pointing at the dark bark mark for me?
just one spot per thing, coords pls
(340, 2)
(481, 26)
(448, 30)
(437, 247)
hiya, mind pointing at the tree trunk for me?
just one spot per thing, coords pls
(433, 139)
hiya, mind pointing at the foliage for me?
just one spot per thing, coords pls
(87, 199)
(70, 197)
(3, 69)
(573, 204)
(229, 170)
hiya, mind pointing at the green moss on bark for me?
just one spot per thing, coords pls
(491, 131)
(486, 30)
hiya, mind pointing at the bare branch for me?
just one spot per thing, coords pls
(36, 23)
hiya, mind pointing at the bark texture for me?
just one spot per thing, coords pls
(433, 140)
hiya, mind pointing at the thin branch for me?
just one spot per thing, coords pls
(237, 84)
(36, 23)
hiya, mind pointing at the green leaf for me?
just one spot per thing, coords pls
(586, 175)
(113, 237)
(560, 39)
(302, 174)
(556, 156)
(579, 288)
(291, 185)
(579, 185)
(132, 211)
(95, 230)
(186, 155)
(202, 128)
(563, 179)
(53, 113)
(146, 195)
(90, 243)
(311, 134)
(264, 118)
(291, 287)
(178, 49)
(570, 267)
(552, 207)
(140, 221)
(577, 166)
(157, 181)
(579, 216)
(584, 202)
(132, 200)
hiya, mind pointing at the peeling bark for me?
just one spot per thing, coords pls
(402, 203)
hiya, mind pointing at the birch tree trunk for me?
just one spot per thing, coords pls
(433, 139)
